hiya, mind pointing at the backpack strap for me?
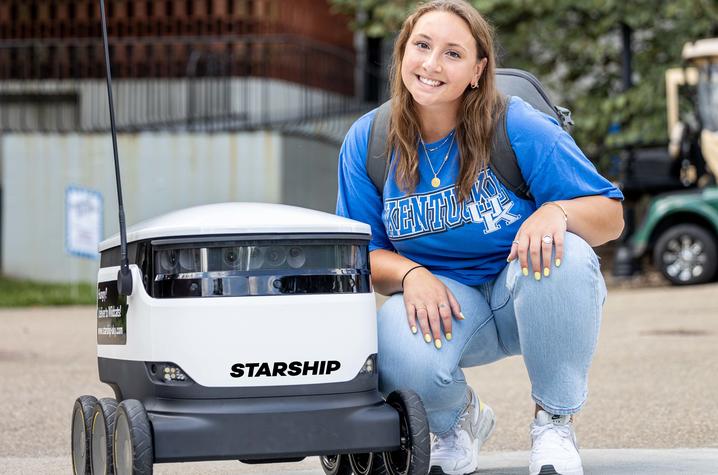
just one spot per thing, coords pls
(503, 161)
(377, 159)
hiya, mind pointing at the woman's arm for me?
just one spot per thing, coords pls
(387, 270)
(596, 219)
(554, 167)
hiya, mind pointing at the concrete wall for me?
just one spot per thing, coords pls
(310, 173)
(160, 172)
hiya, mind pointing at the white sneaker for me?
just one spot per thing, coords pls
(457, 452)
(554, 450)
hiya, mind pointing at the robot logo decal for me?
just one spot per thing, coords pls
(279, 368)
(111, 315)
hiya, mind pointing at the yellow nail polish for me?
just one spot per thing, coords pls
(558, 262)
(448, 336)
(537, 275)
(525, 270)
(437, 344)
(413, 329)
(546, 271)
(427, 338)
(461, 315)
(508, 259)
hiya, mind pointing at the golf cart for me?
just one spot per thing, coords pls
(679, 232)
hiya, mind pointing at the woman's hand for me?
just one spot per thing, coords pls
(545, 228)
(429, 301)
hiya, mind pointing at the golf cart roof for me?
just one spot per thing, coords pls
(238, 218)
(701, 49)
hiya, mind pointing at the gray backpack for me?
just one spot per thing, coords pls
(503, 162)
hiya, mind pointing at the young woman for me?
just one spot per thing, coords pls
(476, 273)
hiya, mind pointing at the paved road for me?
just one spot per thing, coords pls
(596, 462)
(653, 386)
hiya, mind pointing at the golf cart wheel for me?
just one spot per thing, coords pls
(81, 430)
(686, 254)
(412, 458)
(103, 425)
(336, 464)
(132, 451)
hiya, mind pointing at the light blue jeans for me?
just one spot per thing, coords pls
(554, 323)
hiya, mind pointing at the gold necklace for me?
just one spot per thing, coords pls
(436, 182)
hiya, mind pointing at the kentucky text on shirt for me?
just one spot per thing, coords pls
(436, 211)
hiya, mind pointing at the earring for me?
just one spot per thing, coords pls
(474, 85)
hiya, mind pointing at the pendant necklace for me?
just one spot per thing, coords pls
(436, 182)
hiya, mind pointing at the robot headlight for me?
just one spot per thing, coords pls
(168, 373)
(369, 366)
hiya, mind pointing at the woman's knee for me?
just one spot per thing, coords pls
(580, 269)
(578, 259)
(578, 279)
(573, 244)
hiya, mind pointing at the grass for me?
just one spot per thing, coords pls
(25, 293)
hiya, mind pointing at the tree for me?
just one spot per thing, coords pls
(575, 48)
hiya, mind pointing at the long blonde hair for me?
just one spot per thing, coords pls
(477, 113)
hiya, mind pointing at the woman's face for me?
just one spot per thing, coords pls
(440, 60)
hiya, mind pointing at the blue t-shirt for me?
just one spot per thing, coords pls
(469, 241)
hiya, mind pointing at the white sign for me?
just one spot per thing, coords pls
(83, 221)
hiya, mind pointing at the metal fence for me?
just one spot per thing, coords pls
(180, 83)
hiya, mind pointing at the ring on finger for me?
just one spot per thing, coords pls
(547, 239)
(515, 242)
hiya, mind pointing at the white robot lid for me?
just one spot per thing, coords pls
(238, 218)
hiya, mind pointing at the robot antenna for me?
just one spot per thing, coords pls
(124, 277)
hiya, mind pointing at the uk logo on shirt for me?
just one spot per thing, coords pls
(439, 210)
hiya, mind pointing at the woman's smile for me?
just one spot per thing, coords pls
(429, 82)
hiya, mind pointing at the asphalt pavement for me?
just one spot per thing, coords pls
(652, 406)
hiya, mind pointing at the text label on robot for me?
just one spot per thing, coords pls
(278, 368)
(111, 314)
